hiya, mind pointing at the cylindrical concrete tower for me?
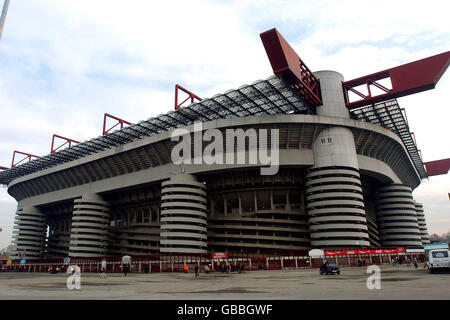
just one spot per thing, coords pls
(422, 223)
(29, 234)
(90, 224)
(397, 217)
(183, 215)
(333, 187)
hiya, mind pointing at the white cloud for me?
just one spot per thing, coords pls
(64, 64)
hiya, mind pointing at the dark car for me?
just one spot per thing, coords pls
(330, 268)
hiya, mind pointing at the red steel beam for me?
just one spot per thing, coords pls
(437, 167)
(4, 168)
(68, 141)
(288, 65)
(28, 156)
(191, 96)
(119, 121)
(410, 78)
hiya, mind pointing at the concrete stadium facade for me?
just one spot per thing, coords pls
(341, 183)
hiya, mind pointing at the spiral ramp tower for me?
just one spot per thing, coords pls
(90, 224)
(183, 215)
(336, 207)
(29, 233)
(422, 223)
(397, 216)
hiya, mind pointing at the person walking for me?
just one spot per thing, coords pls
(415, 262)
(103, 270)
(126, 269)
(197, 271)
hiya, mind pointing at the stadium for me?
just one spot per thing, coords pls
(348, 164)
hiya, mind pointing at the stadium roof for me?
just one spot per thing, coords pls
(271, 96)
(263, 97)
(388, 114)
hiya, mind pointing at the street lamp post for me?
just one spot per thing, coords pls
(2, 19)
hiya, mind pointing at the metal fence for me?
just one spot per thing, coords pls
(176, 263)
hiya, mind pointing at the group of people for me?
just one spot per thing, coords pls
(223, 267)
(226, 267)
(396, 261)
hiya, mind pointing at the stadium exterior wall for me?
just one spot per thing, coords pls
(330, 191)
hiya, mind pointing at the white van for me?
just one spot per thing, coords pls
(438, 259)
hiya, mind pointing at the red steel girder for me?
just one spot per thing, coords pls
(119, 121)
(68, 141)
(191, 96)
(4, 168)
(437, 167)
(288, 65)
(410, 78)
(28, 156)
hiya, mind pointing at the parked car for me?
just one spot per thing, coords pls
(332, 268)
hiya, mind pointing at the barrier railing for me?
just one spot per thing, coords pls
(175, 263)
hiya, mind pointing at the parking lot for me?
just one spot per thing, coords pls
(396, 283)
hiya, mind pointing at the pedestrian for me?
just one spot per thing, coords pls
(125, 270)
(261, 267)
(103, 273)
(242, 268)
(415, 262)
(186, 268)
(408, 262)
(103, 270)
(197, 271)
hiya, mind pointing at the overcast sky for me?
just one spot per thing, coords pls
(63, 64)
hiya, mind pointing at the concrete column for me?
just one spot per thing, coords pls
(183, 215)
(397, 218)
(29, 233)
(332, 94)
(90, 225)
(333, 187)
